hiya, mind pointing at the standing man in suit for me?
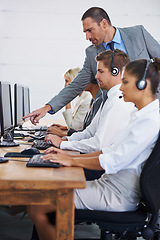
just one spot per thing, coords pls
(135, 41)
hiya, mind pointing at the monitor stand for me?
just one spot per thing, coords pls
(7, 140)
(8, 144)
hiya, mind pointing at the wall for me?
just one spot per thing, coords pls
(41, 39)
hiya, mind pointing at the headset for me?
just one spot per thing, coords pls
(114, 70)
(142, 83)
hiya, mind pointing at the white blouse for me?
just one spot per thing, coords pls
(75, 118)
(136, 142)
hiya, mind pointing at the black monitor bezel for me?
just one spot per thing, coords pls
(5, 130)
(1, 114)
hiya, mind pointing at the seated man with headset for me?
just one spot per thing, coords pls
(111, 118)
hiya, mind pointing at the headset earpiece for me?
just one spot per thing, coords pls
(142, 83)
(114, 70)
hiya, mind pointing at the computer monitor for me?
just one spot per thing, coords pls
(1, 128)
(21, 105)
(18, 105)
(26, 101)
(6, 118)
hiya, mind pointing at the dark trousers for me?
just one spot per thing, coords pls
(92, 174)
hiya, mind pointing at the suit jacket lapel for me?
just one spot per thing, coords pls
(128, 45)
(95, 51)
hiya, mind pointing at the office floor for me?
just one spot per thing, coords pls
(14, 227)
(20, 228)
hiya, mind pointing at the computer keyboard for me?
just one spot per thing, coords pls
(37, 137)
(43, 128)
(40, 133)
(36, 161)
(40, 144)
(39, 128)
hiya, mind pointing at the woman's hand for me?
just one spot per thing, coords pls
(55, 150)
(58, 156)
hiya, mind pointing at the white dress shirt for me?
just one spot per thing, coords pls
(136, 142)
(108, 123)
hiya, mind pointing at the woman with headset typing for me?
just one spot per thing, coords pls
(118, 188)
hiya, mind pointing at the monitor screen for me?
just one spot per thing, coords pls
(5, 108)
(18, 105)
(26, 101)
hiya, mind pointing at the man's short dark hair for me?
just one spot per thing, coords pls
(120, 59)
(96, 13)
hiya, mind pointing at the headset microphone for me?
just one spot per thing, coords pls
(142, 83)
(120, 96)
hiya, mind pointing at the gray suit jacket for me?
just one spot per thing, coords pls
(139, 44)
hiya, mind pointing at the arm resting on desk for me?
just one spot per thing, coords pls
(90, 161)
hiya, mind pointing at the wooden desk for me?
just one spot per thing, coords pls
(20, 185)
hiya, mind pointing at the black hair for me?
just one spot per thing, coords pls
(137, 68)
(96, 13)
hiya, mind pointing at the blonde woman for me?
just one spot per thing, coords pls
(75, 117)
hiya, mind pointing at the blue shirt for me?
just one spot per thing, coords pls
(118, 42)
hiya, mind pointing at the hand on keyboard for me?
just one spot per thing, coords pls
(36, 161)
(55, 140)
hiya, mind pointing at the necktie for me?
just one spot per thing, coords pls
(88, 113)
(111, 45)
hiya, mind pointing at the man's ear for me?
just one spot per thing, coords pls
(104, 23)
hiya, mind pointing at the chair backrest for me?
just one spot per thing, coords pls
(150, 180)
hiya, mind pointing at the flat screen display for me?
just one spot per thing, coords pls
(5, 107)
(18, 105)
(26, 102)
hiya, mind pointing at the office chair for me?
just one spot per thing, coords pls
(141, 222)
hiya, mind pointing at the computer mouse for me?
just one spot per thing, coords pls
(30, 151)
(3, 159)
